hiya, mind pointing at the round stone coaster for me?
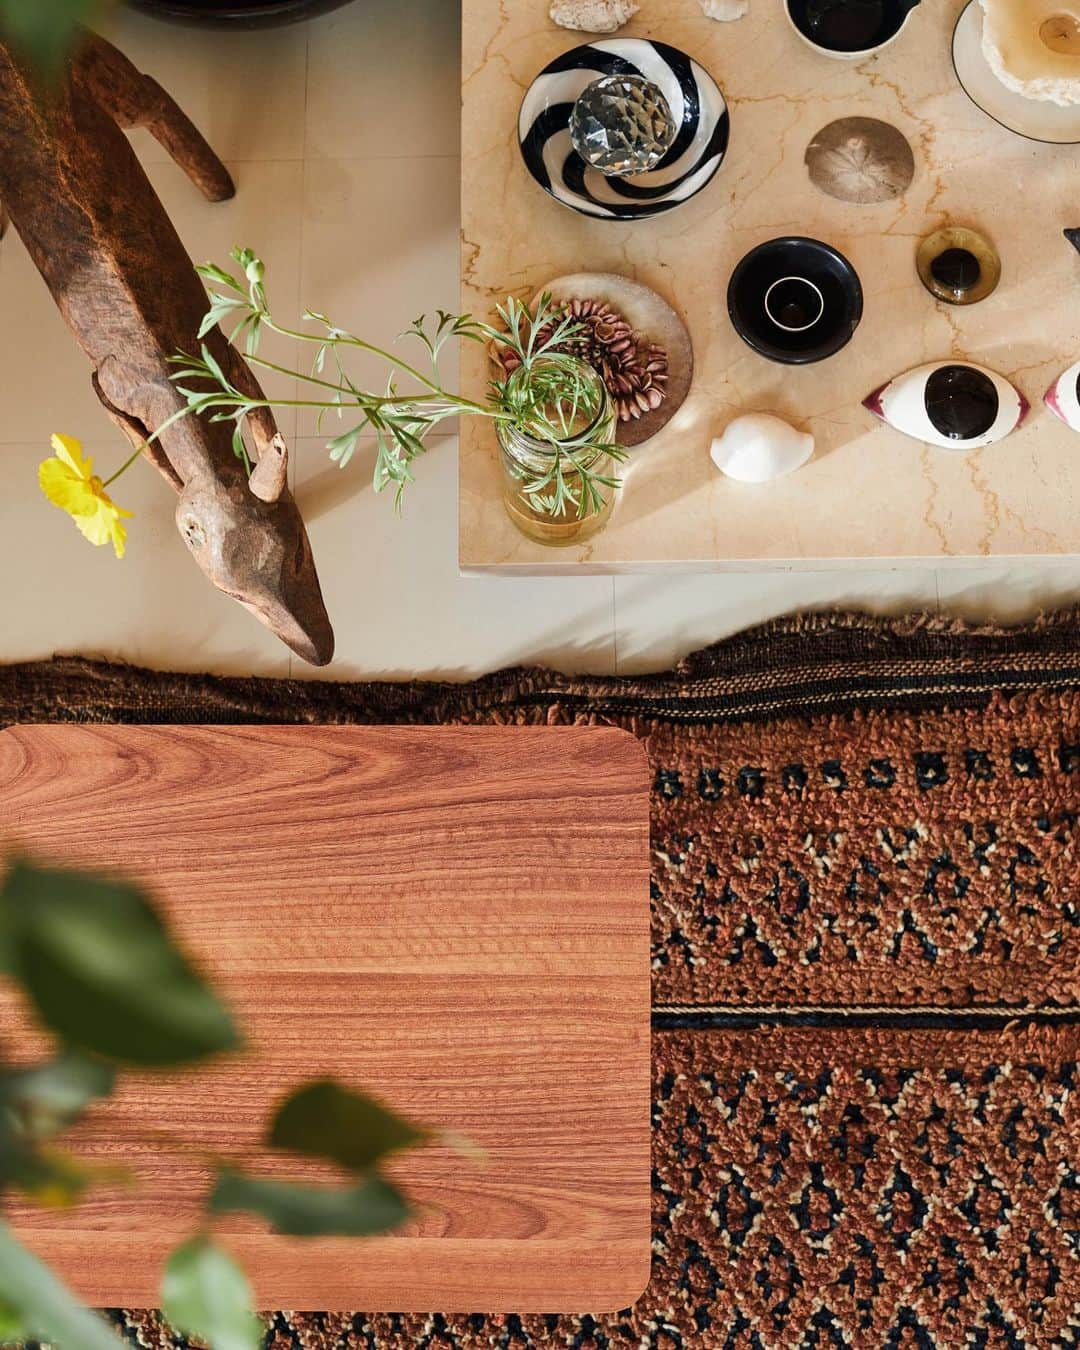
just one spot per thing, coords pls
(649, 314)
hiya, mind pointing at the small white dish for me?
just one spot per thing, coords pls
(1034, 119)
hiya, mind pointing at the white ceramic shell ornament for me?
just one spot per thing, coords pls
(592, 16)
(758, 447)
(951, 404)
(1063, 397)
(725, 11)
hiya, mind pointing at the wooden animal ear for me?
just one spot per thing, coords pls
(270, 474)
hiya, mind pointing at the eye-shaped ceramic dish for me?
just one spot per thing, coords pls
(1063, 397)
(849, 30)
(955, 405)
(696, 104)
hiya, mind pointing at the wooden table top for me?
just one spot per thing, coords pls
(869, 491)
(454, 919)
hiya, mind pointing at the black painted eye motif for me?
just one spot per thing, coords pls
(951, 404)
(1063, 397)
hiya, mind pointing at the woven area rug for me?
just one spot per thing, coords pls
(866, 933)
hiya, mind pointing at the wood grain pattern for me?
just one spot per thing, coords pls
(454, 918)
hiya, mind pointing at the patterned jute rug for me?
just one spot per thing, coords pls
(866, 930)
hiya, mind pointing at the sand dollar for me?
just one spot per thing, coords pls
(861, 160)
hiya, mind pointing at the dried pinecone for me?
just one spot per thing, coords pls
(634, 369)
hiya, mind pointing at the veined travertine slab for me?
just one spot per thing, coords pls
(869, 492)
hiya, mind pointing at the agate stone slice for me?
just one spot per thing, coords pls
(861, 160)
(1033, 47)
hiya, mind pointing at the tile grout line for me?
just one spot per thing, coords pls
(614, 629)
(300, 266)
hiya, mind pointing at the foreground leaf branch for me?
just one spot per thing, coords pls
(102, 973)
(546, 400)
(45, 31)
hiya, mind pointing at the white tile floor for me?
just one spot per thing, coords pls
(342, 135)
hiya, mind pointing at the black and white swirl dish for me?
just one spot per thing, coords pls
(696, 104)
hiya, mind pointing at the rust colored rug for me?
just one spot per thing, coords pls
(866, 931)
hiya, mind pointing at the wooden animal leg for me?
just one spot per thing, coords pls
(133, 99)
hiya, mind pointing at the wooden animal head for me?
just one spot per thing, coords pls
(258, 552)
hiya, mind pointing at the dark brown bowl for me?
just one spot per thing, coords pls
(235, 13)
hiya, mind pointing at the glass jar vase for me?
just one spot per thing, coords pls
(529, 458)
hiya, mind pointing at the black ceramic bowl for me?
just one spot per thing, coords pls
(235, 13)
(849, 28)
(795, 300)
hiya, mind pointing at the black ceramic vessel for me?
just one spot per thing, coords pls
(849, 28)
(795, 300)
(236, 13)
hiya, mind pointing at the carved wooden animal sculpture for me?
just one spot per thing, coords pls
(123, 281)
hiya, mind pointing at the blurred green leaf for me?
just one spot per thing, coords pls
(44, 31)
(326, 1120)
(204, 1293)
(313, 1211)
(12, 1327)
(43, 1305)
(103, 973)
(46, 1175)
(7, 944)
(39, 1102)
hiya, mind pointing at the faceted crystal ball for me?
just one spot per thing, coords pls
(622, 124)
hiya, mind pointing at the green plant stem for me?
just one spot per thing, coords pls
(454, 403)
(177, 416)
(350, 341)
(551, 394)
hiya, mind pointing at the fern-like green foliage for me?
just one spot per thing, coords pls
(43, 32)
(546, 396)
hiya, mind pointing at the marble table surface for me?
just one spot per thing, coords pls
(869, 492)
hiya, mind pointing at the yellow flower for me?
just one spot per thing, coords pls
(69, 482)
